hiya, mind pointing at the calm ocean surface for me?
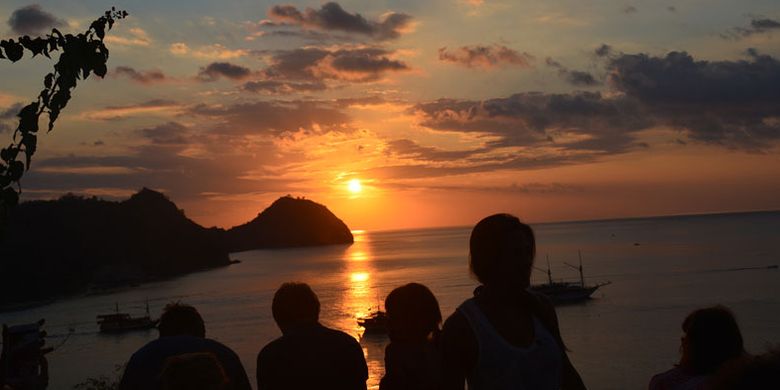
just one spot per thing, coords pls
(628, 332)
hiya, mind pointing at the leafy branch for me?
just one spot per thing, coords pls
(81, 55)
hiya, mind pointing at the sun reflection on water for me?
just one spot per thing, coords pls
(360, 298)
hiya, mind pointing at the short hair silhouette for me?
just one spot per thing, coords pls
(193, 371)
(712, 337)
(488, 241)
(413, 313)
(295, 304)
(180, 319)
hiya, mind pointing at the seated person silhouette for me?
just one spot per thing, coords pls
(412, 359)
(194, 371)
(182, 331)
(711, 340)
(308, 355)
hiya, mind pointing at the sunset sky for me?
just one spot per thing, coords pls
(399, 114)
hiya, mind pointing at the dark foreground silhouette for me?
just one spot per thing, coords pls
(711, 339)
(67, 245)
(413, 357)
(308, 355)
(505, 336)
(182, 354)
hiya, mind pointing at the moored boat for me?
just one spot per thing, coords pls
(123, 322)
(374, 323)
(567, 292)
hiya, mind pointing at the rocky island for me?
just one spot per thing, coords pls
(289, 222)
(69, 245)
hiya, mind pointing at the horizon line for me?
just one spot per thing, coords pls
(608, 219)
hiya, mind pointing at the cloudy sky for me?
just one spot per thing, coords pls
(444, 110)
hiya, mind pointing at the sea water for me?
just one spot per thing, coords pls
(660, 268)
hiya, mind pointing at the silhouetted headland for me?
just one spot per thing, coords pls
(75, 244)
(289, 222)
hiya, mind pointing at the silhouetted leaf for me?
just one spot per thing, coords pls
(101, 70)
(13, 50)
(30, 142)
(15, 170)
(100, 27)
(9, 154)
(48, 80)
(28, 118)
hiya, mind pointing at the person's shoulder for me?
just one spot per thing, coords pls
(675, 377)
(455, 322)
(150, 348)
(339, 336)
(273, 344)
(217, 346)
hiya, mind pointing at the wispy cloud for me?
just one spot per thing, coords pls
(216, 70)
(136, 37)
(153, 76)
(574, 77)
(482, 56)
(215, 51)
(332, 17)
(757, 26)
(149, 107)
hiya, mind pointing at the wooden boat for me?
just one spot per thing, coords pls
(374, 323)
(567, 292)
(124, 322)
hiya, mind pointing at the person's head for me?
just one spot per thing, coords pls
(502, 251)
(179, 319)
(193, 371)
(711, 338)
(412, 313)
(294, 305)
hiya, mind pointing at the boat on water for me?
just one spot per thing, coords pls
(124, 322)
(374, 323)
(567, 292)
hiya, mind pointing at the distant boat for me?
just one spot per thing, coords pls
(374, 323)
(123, 322)
(567, 292)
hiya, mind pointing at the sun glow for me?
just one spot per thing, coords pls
(359, 276)
(354, 186)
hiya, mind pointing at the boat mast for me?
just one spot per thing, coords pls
(582, 277)
(549, 273)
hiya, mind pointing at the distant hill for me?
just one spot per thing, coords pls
(289, 222)
(68, 245)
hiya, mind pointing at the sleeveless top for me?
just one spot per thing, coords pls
(503, 366)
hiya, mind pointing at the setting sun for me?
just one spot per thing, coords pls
(354, 186)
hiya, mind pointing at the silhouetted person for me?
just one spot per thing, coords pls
(760, 372)
(194, 371)
(308, 355)
(182, 331)
(505, 337)
(711, 338)
(412, 359)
